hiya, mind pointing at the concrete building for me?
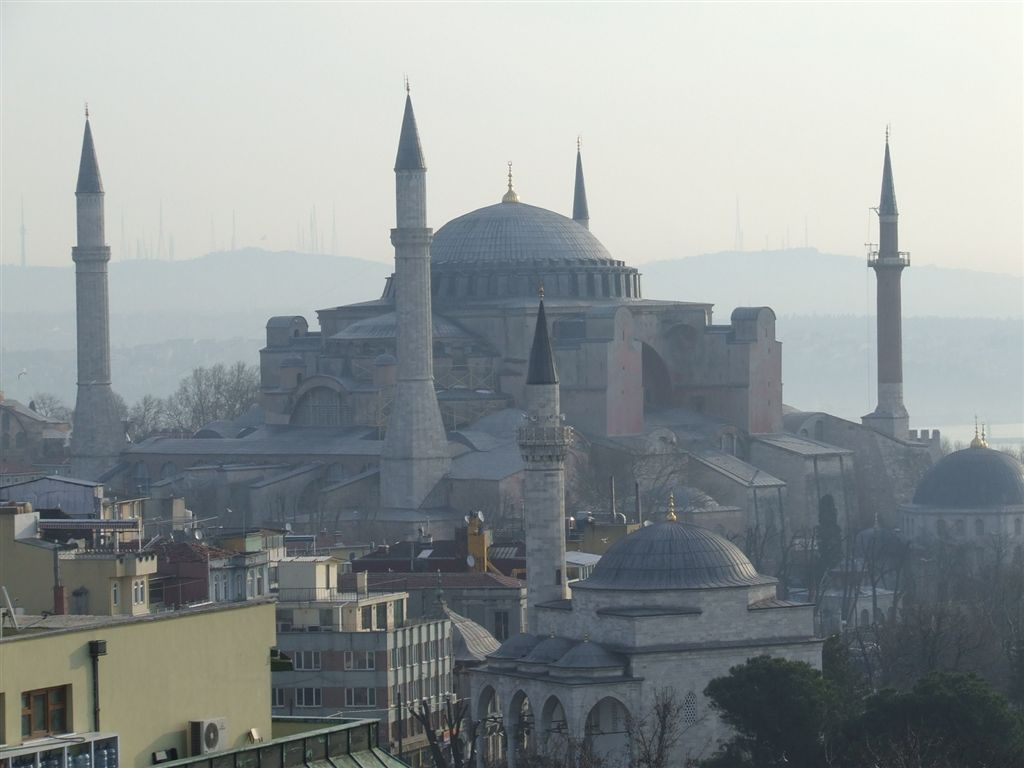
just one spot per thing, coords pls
(113, 690)
(98, 436)
(41, 575)
(357, 653)
(30, 444)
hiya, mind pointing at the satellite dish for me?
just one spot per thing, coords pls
(470, 561)
(288, 527)
(197, 534)
(480, 515)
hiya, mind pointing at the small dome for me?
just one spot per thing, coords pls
(587, 655)
(515, 235)
(672, 555)
(516, 646)
(549, 650)
(971, 479)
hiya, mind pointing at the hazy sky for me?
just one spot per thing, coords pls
(270, 109)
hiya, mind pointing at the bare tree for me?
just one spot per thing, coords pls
(656, 731)
(452, 716)
(50, 406)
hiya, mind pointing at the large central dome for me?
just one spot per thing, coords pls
(516, 234)
(672, 555)
(506, 251)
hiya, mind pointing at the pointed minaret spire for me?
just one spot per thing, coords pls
(410, 153)
(542, 359)
(415, 455)
(887, 202)
(88, 167)
(98, 436)
(580, 211)
(543, 442)
(890, 415)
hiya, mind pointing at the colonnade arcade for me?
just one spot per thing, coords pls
(520, 718)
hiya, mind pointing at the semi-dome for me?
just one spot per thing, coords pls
(672, 555)
(505, 250)
(386, 327)
(973, 478)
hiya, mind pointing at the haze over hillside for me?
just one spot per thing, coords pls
(963, 336)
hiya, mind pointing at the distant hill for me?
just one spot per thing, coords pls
(281, 282)
(806, 282)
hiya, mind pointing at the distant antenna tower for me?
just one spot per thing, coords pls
(22, 231)
(334, 233)
(160, 233)
(232, 229)
(738, 245)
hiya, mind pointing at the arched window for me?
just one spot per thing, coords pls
(321, 407)
(115, 594)
(979, 527)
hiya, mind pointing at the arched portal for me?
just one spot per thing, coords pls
(554, 737)
(519, 731)
(606, 735)
(491, 729)
(656, 381)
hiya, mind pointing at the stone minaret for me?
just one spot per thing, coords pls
(580, 212)
(543, 441)
(416, 454)
(98, 434)
(890, 415)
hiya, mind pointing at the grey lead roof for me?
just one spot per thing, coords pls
(89, 180)
(510, 235)
(410, 153)
(672, 555)
(542, 359)
(887, 202)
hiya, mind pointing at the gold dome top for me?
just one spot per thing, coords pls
(510, 196)
(979, 440)
(670, 516)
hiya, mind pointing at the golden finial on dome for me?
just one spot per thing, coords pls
(979, 440)
(510, 196)
(670, 516)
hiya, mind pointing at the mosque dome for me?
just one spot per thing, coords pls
(504, 251)
(973, 478)
(672, 555)
(516, 234)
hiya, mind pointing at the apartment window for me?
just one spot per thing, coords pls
(306, 660)
(44, 711)
(139, 591)
(308, 697)
(277, 698)
(360, 697)
(368, 617)
(382, 616)
(359, 660)
(500, 625)
(979, 527)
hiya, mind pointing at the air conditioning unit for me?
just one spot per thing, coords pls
(205, 736)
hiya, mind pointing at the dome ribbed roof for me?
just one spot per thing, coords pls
(672, 556)
(972, 478)
(516, 235)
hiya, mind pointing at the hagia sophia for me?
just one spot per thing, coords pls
(353, 427)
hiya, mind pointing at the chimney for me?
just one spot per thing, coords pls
(362, 584)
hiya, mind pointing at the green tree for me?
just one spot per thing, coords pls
(947, 719)
(780, 711)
